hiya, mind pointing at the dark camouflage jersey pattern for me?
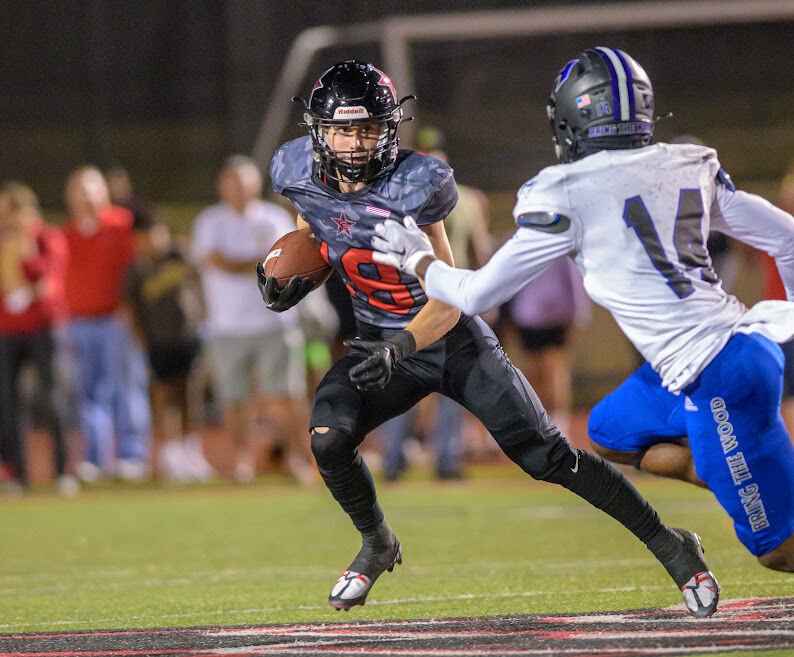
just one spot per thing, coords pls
(344, 223)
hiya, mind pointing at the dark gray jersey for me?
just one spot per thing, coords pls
(344, 223)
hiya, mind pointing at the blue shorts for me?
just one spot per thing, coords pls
(731, 415)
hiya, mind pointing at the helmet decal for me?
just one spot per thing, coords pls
(564, 73)
(385, 81)
(353, 112)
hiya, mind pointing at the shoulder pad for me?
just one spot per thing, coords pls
(527, 187)
(415, 168)
(725, 180)
(548, 222)
(419, 185)
(291, 163)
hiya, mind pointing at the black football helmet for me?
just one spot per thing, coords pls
(601, 100)
(353, 93)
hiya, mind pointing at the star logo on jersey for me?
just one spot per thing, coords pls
(343, 224)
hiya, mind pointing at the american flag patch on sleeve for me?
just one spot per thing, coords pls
(371, 209)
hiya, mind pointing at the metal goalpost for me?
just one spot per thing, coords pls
(396, 34)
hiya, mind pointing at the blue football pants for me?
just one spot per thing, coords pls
(731, 415)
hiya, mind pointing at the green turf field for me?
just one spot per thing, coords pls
(498, 543)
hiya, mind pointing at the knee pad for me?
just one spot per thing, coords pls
(332, 447)
(541, 459)
(336, 405)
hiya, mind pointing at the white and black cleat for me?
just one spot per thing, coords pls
(375, 558)
(350, 590)
(701, 594)
(690, 572)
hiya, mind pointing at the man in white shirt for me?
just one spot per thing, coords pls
(247, 344)
(635, 217)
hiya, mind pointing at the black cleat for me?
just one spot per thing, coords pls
(688, 569)
(380, 551)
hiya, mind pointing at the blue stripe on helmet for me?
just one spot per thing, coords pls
(622, 83)
(629, 83)
(614, 77)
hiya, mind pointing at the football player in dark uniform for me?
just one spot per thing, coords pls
(344, 179)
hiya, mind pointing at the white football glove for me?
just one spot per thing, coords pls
(401, 245)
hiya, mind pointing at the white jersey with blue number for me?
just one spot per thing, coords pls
(636, 223)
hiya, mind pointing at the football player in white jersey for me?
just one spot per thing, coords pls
(635, 217)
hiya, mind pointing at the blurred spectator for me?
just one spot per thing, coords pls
(256, 356)
(467, 224)
(437, 423)
(123, 194)
(339, 298)
(774, 289)
(33, 257)
(163, 295)
(436, 417)
(114, 413)
(320, 325)
(542, 317)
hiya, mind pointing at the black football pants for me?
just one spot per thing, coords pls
(468, 365)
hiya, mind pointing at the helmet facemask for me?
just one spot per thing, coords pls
(358, 165)
(354, 94)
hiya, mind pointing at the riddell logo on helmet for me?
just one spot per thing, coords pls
(351, 113)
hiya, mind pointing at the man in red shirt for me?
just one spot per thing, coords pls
(33, 257)
(114, 413)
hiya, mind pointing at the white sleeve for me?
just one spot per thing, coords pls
(525, 255)
(283, 221)
(202, 242)
(755, 221)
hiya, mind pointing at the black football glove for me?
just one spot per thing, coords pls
(380, 356)
(280, 299)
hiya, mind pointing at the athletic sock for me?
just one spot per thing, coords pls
(378, 549)
(348, 478)
(602, 485)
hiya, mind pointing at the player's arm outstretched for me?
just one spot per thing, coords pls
(437, 317)
(433, 321)
(512, 266)
(296, 288)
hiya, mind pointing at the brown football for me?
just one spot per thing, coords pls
(296, 254)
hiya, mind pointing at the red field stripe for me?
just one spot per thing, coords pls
(739, 625)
